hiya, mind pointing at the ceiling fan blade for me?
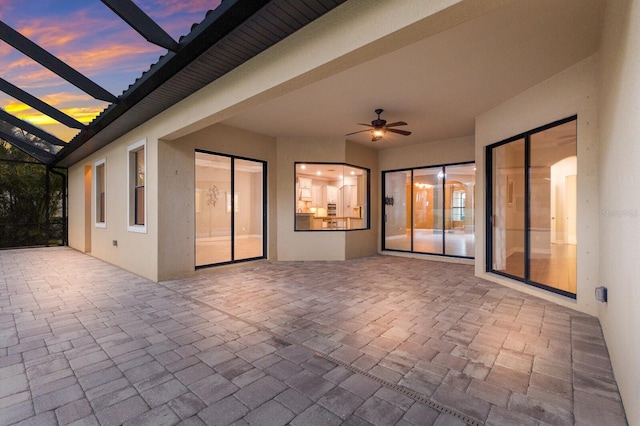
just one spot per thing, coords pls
(400, 132)
(359, 131)
(362, 124)
(397, 123)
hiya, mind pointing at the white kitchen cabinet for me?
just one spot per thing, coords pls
(319, 196)
(362, 189)
(348, 200)
(304, 186)
(332, 194)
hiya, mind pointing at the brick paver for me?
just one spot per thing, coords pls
(379, 341)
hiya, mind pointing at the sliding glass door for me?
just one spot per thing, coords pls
(230, 209)
(430, 210)
(532, 216)
(508, 208)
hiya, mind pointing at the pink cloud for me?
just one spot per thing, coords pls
(66, 98)
(48, 36)
(103, 57)
(6, 7)
(166, 8)
(177, 16)
(5, 49)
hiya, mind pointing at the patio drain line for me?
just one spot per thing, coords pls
(400, 389)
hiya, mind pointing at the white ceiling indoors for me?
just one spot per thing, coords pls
(441, 84)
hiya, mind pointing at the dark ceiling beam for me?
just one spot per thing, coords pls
(142, 23)
(41, 106)
(30, 128)
(47, 60)
(37, 153)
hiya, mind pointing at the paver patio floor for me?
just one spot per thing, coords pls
(382, 341)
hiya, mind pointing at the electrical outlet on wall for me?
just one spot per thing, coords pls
(601, 294)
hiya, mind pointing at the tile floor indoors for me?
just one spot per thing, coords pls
(382, 340)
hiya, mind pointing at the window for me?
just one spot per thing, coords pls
(457, 206)
(230, 209)
(330, 197)
(532, 214)
(101, 193)
(430, 210)
(137, 200)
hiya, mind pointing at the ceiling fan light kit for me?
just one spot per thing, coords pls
(379, 127)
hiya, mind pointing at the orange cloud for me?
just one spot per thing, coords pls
(103, 57)
(17, 108)
(31, 76)
(48, 36)
(62, 98)
(53, 34)
(5, 49)
(83, 114)
(60, 130)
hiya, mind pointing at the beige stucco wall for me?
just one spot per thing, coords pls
(362, 243)
(176, 165)
(619, 219)
(458, 150)
(571, 92)
(303, 245)
(135, 252)
(76, 207)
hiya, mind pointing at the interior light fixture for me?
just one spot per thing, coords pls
(377, 134)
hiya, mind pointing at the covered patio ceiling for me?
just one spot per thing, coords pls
(441, 83)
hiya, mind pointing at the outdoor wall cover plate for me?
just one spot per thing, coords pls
(601, 294)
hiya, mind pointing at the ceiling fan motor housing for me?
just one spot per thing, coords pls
(378, 123)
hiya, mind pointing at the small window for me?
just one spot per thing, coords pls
(458, 203)
(331, 197)
(137, 194)
(101, 193)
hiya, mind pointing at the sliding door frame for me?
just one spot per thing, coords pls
(443, 169)
(233, 260)
(527, 210)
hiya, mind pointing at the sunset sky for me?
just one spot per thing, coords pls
(89, 37)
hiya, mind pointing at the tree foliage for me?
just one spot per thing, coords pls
(29, 214)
